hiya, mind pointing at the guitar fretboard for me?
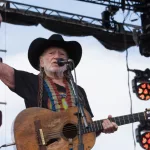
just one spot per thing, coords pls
(121, 120)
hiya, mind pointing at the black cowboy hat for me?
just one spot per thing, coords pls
(39, 45)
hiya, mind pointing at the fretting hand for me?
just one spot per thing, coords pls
(108, 126)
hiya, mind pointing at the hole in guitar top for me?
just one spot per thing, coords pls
(52, 141)
(70, 131)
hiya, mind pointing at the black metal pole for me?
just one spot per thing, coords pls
(80, 113)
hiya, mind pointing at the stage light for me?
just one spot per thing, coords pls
(143, 135)
(144, 44)
(145, 140)
(143, 91)
(141, 84)
(144, 38)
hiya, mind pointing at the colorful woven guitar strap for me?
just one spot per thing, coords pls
(57, 100)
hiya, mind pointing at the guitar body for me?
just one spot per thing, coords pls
(41, 129)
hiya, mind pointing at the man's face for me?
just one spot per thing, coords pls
(48, 60)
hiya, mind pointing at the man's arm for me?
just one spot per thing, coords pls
(7, 75)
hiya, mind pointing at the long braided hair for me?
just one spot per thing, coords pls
(40, 92)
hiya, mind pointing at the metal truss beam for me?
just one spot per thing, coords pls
(3, 103)
(123, 4)
(51, 14)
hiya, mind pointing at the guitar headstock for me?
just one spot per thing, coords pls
(147, 114)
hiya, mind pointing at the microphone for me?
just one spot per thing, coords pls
(62, 62)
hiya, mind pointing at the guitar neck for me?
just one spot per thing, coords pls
(121, 120)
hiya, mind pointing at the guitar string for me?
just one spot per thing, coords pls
(55, 135)
(59, 132)
(73, 128)
(83, 128)
(68, 129)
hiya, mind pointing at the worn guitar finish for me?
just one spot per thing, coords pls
(42, 129)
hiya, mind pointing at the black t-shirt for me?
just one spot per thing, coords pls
(27, 87)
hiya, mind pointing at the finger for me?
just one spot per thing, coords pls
(105, 126)
(109, 116)
(108, 127)
(107, 121)
(115, 126)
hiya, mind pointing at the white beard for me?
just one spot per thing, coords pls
(57, 71)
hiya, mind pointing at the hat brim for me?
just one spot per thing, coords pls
(39, 45)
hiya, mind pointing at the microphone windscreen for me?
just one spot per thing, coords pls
(60, 62)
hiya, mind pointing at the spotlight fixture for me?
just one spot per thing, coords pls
(144, 44)
(143, 135)
(141, 84)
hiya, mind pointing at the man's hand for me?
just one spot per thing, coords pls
(108, 126)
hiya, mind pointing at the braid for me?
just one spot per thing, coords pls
(40, 93)
(67, 76)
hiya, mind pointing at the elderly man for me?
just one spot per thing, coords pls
(50, 89)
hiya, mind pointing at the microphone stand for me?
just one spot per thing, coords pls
(80, 113)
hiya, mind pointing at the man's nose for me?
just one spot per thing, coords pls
(57, 55)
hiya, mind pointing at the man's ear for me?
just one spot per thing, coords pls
(41, 61)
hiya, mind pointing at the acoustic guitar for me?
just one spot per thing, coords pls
(41, 129)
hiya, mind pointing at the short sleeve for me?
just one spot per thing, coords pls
(26, 86)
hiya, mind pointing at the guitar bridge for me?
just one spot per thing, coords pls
(39, 132)
(42, 137)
